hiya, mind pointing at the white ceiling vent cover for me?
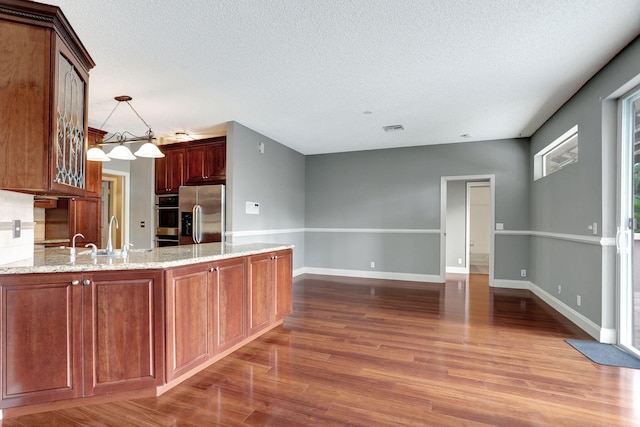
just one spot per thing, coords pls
(393, 128)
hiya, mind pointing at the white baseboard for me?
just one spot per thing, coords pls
(375, 274)
(603, 335)
(585, 324)
(458, 270)
(511, 284)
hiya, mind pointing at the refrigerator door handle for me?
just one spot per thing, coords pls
(194, 226)
(197, 224)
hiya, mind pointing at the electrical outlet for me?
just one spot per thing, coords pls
(373, 264)
(579, 301)
(523, 273)
(459, 261)
(559, 289)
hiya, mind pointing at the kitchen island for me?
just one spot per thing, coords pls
(83, 328)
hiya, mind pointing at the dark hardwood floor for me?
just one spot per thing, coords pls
(379, 353)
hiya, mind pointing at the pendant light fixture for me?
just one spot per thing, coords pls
(120, 139)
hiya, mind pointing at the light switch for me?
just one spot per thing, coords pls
(252, 208)
(499, 226)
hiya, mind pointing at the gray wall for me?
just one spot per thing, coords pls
(398, 189)
(141, 208)
(567, 201)
(276, 180)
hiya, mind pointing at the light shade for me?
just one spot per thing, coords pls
(95, 154)
(149, 149)
(121, 152)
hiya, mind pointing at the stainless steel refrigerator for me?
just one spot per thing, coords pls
(201, 214)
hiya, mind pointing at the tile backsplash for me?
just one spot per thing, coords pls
(16, 206)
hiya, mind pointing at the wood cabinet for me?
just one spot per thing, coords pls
(85, 216)
(206, 161)
(94, 169)
(261, 280)
(198, 162)
(229, 278)
(205, 312)
(68, 335)
(122, 330)
(269, 288)
(189, 321)
(169, 170)
(283, 298)
(75, 215)
(43, 108)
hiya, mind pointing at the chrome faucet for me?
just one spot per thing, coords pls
(109, 242)
(72, 249)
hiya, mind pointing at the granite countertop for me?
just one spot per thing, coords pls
(56, 260)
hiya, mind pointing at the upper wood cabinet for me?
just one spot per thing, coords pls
(169, 170)
(43, 94)
(206, 161)
(94, 169)
(198, 162)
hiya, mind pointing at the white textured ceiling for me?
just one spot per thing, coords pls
(303, 71)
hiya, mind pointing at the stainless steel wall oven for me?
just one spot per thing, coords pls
(167, 220)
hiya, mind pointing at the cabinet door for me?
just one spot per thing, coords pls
(229, 302)
(261, 280)
(84, 217)
(123, 328)
(175, 170)
(169, 171)
(160, 168)
(283, 298)
(94, 169)
(206, 163)
(68, 159)
(189, 319)
(41, 338)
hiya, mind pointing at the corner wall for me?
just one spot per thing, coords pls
(276, 180)
(564, 252)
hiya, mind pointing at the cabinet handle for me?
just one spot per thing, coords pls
(86, 282)
(75, 282)
(212, 269)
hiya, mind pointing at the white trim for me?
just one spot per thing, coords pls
(430, 278)
(511, 284)
(458, 270)
(580, 320)
(264, 232)
(298, 272)
(443, 219)
(601, 334)
(577, 238)
(374, 230)
(125, 200)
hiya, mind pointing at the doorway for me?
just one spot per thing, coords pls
(114, 190)
(467, 215)
(478, 226)
(628, 225)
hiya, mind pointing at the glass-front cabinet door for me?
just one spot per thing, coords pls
(69, 141)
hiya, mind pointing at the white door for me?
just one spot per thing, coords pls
(628, 235)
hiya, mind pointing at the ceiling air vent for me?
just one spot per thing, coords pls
(393, 128)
